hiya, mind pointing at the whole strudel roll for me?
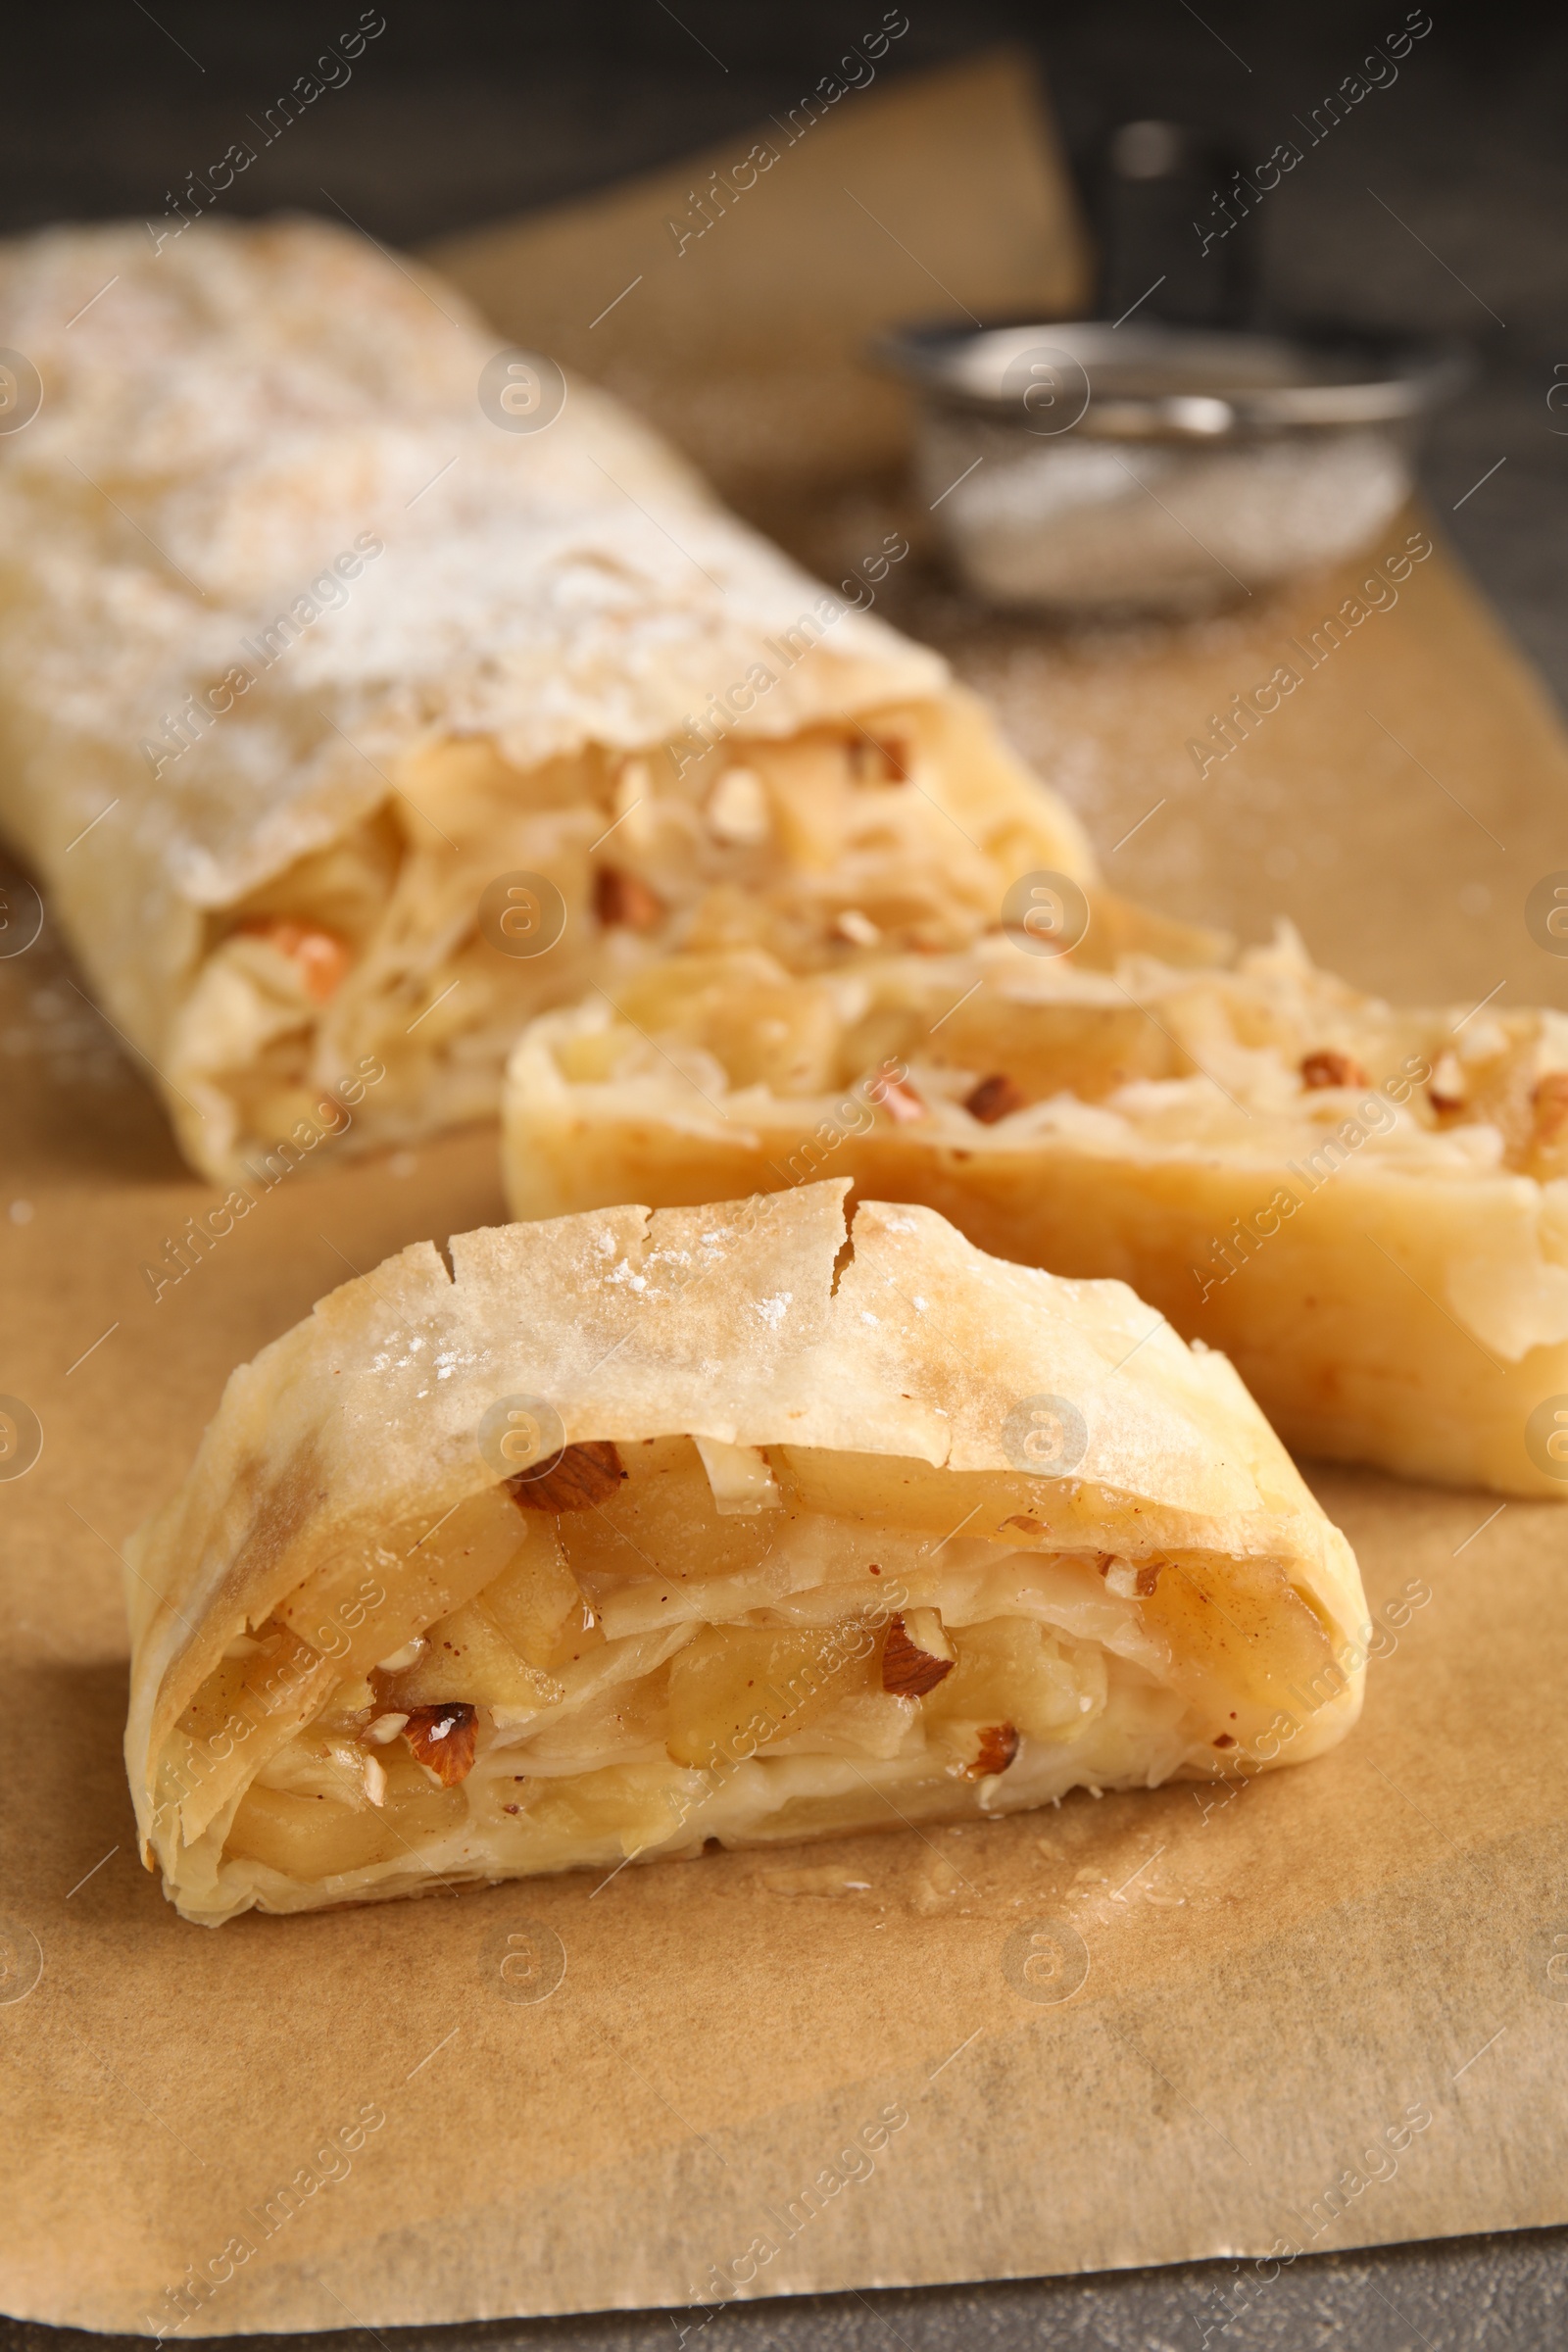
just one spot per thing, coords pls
(1364, 1206)
(632, 1531)
(365, 691)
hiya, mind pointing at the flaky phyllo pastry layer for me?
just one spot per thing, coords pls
(636, 1531)
(302, 649)
(1364, 1206)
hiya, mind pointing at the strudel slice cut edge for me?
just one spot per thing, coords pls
(1364, 1205)
(634, 1531)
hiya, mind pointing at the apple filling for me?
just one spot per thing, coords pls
(992, 1050)
(633, 1647)
(382, 953)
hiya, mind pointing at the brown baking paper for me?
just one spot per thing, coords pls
(1398, 804)
(1314, 2010)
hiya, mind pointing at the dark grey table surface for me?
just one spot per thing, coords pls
(1441, 204)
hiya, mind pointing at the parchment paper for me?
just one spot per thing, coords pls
(1322, 2009)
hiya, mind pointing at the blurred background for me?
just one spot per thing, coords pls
(461, 113)
(1407, 806)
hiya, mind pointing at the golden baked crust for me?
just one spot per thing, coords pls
(1364, 1206)
(845, 1531)
(301, 653)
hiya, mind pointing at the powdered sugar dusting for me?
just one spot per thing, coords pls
(233, 414)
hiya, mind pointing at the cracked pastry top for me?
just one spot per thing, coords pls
(790, 1531)
(302, 650)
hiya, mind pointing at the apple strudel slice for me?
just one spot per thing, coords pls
(1364, 1206)
(638, 1530)
(366, 691)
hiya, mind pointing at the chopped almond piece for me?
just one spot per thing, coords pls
(909, 1671)
(319, 957)
(401, 1659)
(858, 928)
(1329, 1067)
(900, 1101)
(1446, 1091)
(1550, 1100)
(578, 1477)
(623, 902)
(879, 760)
(1130, 1579)
(992, 1100)
(999, 1744)
(442, 1739)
